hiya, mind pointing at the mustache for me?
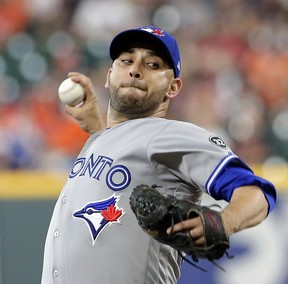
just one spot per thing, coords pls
(135, 84)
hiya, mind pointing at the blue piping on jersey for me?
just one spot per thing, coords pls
(217, 170)
(232, 173)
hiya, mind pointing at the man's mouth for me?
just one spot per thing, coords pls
(134, 85)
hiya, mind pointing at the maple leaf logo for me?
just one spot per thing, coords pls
(158, 32)
(111, 214)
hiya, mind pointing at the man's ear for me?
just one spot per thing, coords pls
(174, 88)
(107, 84)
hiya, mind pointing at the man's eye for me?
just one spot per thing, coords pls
(126, 61)
(153, 64)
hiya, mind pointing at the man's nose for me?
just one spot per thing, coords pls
(135, 74)
(136, 70)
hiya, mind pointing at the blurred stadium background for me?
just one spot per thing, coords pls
(235, 73)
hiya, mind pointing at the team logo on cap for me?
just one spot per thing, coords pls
(99, 214)
(157, 32)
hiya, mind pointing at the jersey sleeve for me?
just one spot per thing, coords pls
(204, 161)
(187, 152)
(233, 173)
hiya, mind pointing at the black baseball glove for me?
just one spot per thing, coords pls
(155, 213)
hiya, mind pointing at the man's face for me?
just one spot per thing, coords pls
(138, 82)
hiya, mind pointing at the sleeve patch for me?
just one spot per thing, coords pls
(217, 141)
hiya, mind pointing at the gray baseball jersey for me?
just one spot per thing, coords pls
(93, 236)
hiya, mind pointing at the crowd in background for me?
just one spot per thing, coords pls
(234, 70)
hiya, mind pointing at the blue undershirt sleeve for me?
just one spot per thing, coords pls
(236, 174)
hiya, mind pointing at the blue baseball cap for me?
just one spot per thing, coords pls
(154, 36)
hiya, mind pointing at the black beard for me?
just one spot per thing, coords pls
(130, 105)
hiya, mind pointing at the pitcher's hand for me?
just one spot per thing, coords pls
(87, 114)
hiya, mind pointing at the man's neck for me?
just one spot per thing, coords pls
(114, 118)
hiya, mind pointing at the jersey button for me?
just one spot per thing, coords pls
(55, 273)
(56, 234)
(64, 200)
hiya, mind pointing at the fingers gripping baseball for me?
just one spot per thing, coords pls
(85, 82)
(88, 114)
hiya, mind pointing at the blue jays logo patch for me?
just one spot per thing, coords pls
(154, 31)
(99, 214)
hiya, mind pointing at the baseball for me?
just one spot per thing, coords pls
(70, 93)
